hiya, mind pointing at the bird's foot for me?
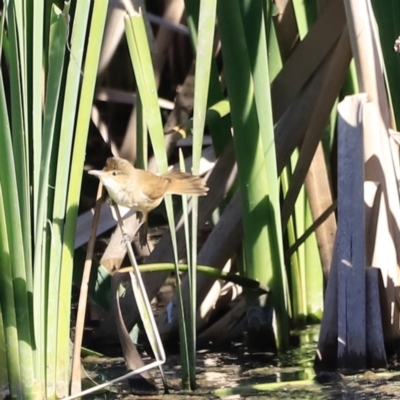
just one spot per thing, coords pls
(110, 201)
(127, 238)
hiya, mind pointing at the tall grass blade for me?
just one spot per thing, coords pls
(75, 178)
(144, 74)
(203, 67)
(8, 181)
(220, 129)
(142, 137)
(19, 113)
(69, 107)
(258, 190)
(37, 86)
(43, 281)
(8, 317)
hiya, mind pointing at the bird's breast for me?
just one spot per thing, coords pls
(129, 196)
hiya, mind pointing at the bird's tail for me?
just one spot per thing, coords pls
(185, 183)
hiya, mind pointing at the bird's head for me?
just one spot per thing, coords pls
(116, 173)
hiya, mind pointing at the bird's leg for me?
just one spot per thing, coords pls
(126, 237)
(109, 200)
(142, 229)
(141, 223)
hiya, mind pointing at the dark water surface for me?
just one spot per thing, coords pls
(238, 370)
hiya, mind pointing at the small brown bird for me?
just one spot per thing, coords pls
(142, 190)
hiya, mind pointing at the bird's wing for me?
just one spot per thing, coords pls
(176, 174)
(153, 186)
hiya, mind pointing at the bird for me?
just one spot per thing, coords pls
(142, 190)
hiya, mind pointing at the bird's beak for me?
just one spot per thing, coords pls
(96, 173)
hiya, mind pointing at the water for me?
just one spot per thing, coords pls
(236, 370)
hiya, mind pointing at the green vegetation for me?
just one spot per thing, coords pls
(261, 86)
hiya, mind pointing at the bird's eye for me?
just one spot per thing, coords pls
(115, 173)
